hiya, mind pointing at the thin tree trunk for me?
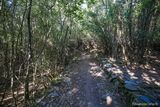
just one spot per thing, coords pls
(12, 63)
(30, 54)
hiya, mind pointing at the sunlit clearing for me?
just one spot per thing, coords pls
(109, 100)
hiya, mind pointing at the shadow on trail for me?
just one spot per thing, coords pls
(85, 85)
(90, 85)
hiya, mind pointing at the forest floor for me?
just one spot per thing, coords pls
(85, 85)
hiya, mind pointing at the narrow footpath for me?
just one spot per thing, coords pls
(87, 87)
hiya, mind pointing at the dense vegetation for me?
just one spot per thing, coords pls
(38, 38)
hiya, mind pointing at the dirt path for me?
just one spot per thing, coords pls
(85, 85)
(88, 86)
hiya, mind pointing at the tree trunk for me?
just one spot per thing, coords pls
(30, 54)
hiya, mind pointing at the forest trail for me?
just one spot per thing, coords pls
(48, 50)
(88, 87)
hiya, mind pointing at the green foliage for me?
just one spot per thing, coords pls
(54, 24)
(91, 1)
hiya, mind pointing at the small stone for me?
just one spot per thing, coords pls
(104, 97)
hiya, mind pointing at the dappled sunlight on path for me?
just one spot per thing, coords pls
(92, 85)
(89, 86)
